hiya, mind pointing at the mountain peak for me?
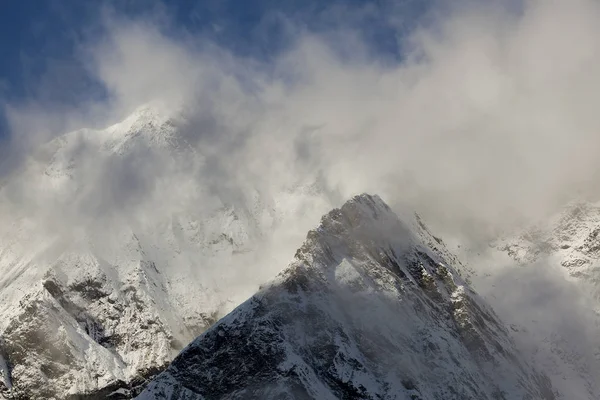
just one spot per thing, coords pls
(363, 226)
(151, 121)
(366, 310)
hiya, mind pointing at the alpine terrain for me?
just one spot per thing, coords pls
(570, 238)
(372, 307)
(93, 302)
(120, 246)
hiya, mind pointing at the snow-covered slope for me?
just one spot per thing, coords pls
(115, 253)
(371, 308)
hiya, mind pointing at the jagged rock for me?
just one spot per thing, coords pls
(370, 308)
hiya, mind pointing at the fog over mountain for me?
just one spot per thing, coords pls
(213, 166)
(492, 108)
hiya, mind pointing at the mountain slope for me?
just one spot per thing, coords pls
(370, 308)
(115, 253)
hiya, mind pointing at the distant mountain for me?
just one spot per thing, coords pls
(546, 284)
(372, 307)
(571, 237)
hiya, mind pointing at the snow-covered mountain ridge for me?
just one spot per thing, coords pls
(370, 308)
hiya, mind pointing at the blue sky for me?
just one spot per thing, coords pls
(40, 41)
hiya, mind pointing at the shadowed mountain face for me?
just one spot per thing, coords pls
(370, 308)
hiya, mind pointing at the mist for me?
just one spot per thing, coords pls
(485, 122)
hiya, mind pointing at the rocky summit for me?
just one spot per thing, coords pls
(371, 307)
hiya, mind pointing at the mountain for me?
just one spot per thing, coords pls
(371, 307)
(550, 272)
(570, 237)
(118, 248)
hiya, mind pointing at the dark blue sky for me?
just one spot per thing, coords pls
(39, 39)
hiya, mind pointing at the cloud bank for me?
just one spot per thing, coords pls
(487, 119)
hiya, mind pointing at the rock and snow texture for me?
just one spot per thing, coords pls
(571, 238)
(101, 286)
(370, 308)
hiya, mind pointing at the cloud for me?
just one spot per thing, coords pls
(486, 119)
(552, 319)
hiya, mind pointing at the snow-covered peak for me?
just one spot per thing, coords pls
(152, 122)
(369, 218)
(570, 238)
(366, 310)
(116, 238)
(150, 114)
(151, 126)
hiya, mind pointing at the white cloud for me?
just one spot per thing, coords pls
(488, 120)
